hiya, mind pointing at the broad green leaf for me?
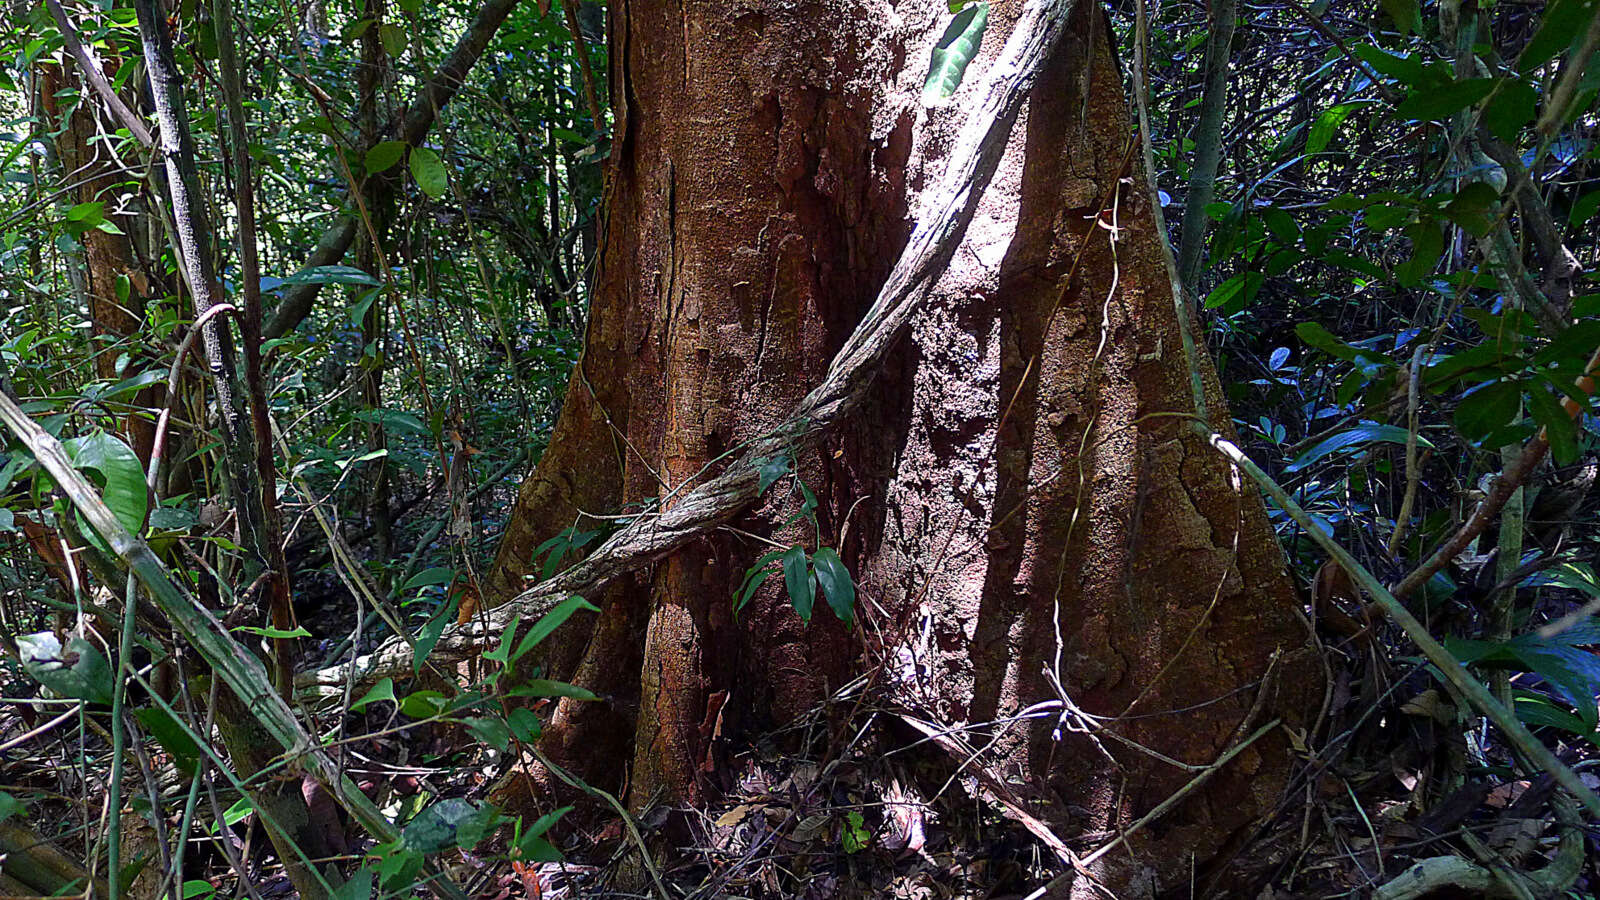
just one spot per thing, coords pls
(544, 823)
(446, 824)
(422, 704)
(771, 469)
(837, 585)
(77, 672)
(1488, 408)
(10, 806)
(115, 469)
(1512, 107)
(751, 585)
(1584, 208)
(359, 887)
(1431, 103)
(954, 51)
(1427, 245)
(1358, 436)
(797, 580)
(393, 38)
(1232, 295)
(1537, 711)
(524, 724)
(172, 737)
(88, 213)
(1565, 22)
(1314, 335)
(237, 813)
(491, 731)
(383, 690)
(384, 155)
(198, 888)
(1473, 207)
(428, 170)
(1407, 14)
(1558, 426)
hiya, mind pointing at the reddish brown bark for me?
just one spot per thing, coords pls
(769, 161)
(92, 174)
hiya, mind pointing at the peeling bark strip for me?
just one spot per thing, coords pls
(972, 163)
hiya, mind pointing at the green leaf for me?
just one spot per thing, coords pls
(198, 888)
(428, 577)
(1432, 103)
(116, 470)
(1565, 22)
(171, 736)
(1488, 408)
(1407, 14)
(1232, 295)
(1584, 209)
(1361, 435)
(393, 38)
(10, 806)
(1427, 245)
(1558, 426)
(383, 690)
(549, 622)
(383, 156)
(78, 672)
(524, 724)
(87, 213)
(1512, 107)
(771, 469)
(491, 731)
(954, 51)
(1473, 208)
(274, 633)
(322, 275)
(444, 825)
(428, 170)
(238, 812)
(543, 687)
(753, 583)
(428, 637)
(359, 887)
(1536, 710)
(854, 836)
(1407, 69)
(422, 704)
(836, 582)
(797, 580)
(544, 823)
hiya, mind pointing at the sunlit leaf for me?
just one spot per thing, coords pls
(429, 172)
(954, 51)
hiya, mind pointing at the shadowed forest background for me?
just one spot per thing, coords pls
(799, 448)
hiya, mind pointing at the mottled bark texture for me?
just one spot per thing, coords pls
(769, 161)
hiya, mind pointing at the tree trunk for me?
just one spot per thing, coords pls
(1021, 505)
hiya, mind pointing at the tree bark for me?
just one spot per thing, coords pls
(1026, 505)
